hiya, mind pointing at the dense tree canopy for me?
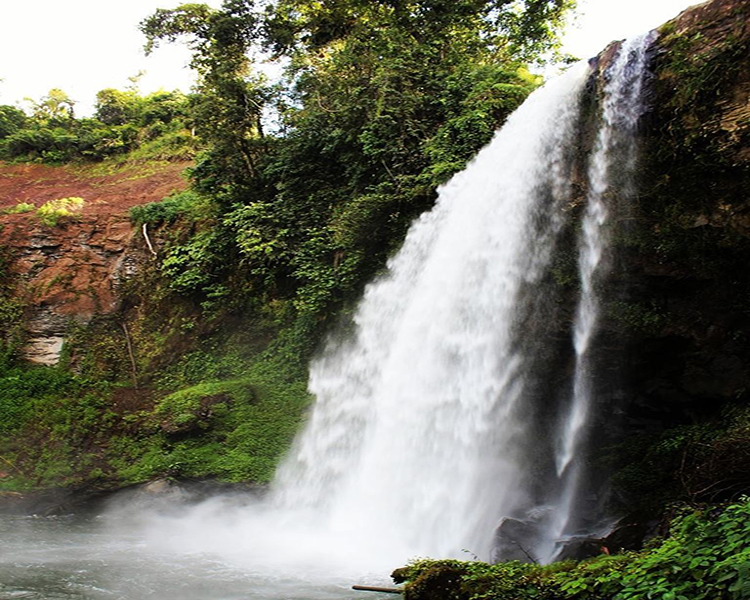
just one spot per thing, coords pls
(382, 100)
(124, 122)
(312, 180)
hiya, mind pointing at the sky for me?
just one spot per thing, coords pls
(83, 46)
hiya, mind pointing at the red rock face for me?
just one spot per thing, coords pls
(71, 271)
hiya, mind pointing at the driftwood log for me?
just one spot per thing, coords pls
(367, 588)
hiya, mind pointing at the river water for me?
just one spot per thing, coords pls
(97, 558)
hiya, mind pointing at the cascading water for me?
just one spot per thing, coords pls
(610, 178)
(615, 143)
(422, 436)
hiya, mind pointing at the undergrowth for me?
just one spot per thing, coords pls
(705, 557)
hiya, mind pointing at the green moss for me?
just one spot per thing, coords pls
(639, 317)
(197, 435)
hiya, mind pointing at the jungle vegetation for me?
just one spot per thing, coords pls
(301, 189)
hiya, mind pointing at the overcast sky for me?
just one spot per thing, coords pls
(83, 46)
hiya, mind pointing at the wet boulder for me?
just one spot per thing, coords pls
(516, 539)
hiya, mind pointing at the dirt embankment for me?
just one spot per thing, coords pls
(70, 271)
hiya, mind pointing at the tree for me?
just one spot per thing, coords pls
(228, 107)
(115, 107)
(11, 120)
(382, 101)
(55, 106)
(388, 98)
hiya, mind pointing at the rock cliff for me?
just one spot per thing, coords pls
(69, 272)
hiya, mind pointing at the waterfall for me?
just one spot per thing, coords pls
(454, 413)
(416, 440)
(615, 146)
(610, 178)
(433, 419)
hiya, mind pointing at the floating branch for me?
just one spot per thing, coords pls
(367, 588)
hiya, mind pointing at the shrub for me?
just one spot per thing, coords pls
(21, 207)
(705, 557)
(187, 205)
(53, 211)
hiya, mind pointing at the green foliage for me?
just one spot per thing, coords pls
(210, 362)
(695, 146)
(695, 462)
(20, 388)
(50, 144)
(11, 312)
(381, 104)
(11, 120)
(135, 460)
(189, 408)
(187, 205)
(236, 429)
(53, 211)
(51, 421)
(637, 316)
(116, 107)
(705, 557)
(460, 580)
(155, 125)
(167, 143)
(55, 107)
(226, 112)
(21, 207)
(198, 264)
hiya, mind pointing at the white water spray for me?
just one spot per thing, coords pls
(615, 143)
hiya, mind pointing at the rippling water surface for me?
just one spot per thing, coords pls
(51, 558)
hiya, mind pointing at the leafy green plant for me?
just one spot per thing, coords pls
(188, 205)
(21, 207)
(52, 212)
(705, 557)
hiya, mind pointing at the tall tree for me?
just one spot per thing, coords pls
(55, 106)
(228, 107)
(382, 101)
